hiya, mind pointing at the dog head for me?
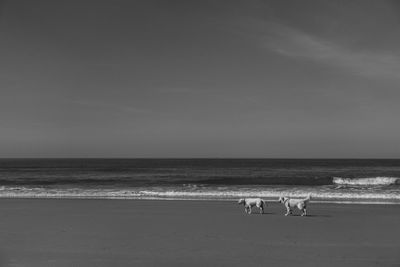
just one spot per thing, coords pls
(241, 201)
(282, 199)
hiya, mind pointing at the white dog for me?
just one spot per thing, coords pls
(251, 202)
(301, 204)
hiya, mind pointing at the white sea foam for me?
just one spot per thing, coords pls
(366, 181)
(271, 194)
(323, 194)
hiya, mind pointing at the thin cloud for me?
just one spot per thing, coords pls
(294, 43)
(110, 106)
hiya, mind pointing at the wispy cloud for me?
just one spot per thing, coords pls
(111, 107)
(297, 44)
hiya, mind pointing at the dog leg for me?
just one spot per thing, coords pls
(248, 209)
(288, 211)
(305, 212)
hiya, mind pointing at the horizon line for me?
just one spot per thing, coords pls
(195, 158)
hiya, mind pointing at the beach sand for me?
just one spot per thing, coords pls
(48, 232)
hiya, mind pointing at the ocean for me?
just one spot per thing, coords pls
(327, 180)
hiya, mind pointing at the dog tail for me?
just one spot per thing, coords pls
(308, 198)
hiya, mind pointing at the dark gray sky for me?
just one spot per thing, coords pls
(199, 78)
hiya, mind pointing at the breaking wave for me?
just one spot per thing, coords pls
(367, 181)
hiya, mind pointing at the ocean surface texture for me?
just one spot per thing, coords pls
(327, 180)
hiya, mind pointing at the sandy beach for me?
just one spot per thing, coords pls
(47, 232)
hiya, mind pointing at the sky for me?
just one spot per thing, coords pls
(116, 78)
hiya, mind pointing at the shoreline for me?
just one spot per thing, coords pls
(269, 200)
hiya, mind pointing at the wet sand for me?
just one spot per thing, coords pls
(47, 232)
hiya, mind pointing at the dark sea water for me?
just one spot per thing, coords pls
(330, 180)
